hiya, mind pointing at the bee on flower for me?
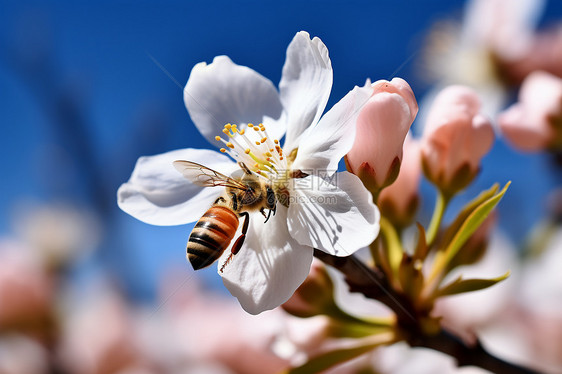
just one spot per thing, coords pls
(315, 206)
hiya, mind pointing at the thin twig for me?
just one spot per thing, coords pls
(372, 283)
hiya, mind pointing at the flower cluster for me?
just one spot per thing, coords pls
(271, 198)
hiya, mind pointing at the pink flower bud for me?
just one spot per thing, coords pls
(455, 139)
(314, 296)
(382, 126)
(399, 201)
(535, 122)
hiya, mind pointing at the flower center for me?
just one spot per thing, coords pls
(255, 148)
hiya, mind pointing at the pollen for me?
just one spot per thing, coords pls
(256, 149)
(218, 138)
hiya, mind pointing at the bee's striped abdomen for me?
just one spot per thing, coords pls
(211, 236)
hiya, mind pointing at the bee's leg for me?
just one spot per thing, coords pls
(245, 168)
(221, 199)
(238, 243)
(234, 202)
(268, 214)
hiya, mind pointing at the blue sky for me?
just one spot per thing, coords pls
(84, 95)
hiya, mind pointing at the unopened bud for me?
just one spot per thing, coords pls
(455, 139)
(315, 296)
(399, 201)
(382, 126)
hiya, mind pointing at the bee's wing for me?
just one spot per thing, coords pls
(205, 177)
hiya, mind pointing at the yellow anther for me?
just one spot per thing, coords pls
(263, 140)
(276, 141)
(281, 157)
(250, 125)
(258, 143)
(223, 150)
(257, 166)
(218, 138)
(226, 131)
(228, 126)
(241, 132)
(230, 145)
(256, 128)
(247, 151)
(271, 149)
(268, 154)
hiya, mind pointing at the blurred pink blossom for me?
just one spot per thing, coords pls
(456, 137)
(58, 232)
(210, 331)
(99, 336)
(26, 292)
(535, 122)
(382, 126)
(21, 355)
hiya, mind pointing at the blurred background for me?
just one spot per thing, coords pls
(87, 88)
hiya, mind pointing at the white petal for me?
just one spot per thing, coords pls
(331, 139)
(336, 215)
(305, 85)
(224, 92)
(270, 266)
(158, 194)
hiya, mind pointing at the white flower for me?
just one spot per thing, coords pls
(325, 210)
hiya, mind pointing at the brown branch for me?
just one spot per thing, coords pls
(373, 284)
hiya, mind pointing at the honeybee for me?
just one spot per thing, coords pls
(215, 230)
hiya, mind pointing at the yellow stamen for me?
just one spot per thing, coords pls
(276, 141)
(228, 126)
(247, 151)
(258, 143)
(256, 128)
(223, 150)
(241, 132)
(250, 125)
(230, 145)
(218, 138)
(263, 140)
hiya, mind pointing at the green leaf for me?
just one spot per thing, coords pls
(422, 248)
(466, 211)
(331, 358)
(393, 247)
(468, 285)
(469, 225)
